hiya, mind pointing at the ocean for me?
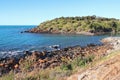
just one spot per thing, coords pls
(13, 42)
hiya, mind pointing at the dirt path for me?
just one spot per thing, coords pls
(106, 70)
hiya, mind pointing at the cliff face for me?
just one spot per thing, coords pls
(78, 25)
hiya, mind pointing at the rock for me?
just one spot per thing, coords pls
(56, 47)
(44, 53)
(53, 65)
(16, 66)
(27, 53)
(44, 66)
(21, 60)
(91, 45)
(35, 55)
(6, 66)
(44, 59)
(41, 61)
(2, 64)
(65, 49)
(22, 32)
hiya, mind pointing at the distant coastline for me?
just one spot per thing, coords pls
(87, 25)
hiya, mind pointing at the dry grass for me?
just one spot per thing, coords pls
(59, 73)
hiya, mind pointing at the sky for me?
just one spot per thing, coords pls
(33, 12)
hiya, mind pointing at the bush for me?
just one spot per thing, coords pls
(86, 23)
(30, 78)
(66, 67)
(83, 61)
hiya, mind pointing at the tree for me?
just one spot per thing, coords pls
(114, 26)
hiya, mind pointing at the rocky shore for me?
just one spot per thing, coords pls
(43, 60)
(31, 61)
(90, 33)
(114, 41)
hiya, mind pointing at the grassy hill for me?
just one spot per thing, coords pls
(90, 24)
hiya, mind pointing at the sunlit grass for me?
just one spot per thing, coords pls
(65, 70)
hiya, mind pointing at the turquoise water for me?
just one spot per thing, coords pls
(13, 41)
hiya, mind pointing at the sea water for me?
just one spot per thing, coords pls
(12, 41)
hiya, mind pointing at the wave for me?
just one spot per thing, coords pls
(10, 54)
(19, 53)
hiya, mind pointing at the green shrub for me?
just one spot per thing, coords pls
(83, 61)
(66, 67)
(30, 78)
(85, 23)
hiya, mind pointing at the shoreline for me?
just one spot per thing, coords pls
(79, 33)
(50, 60)
(89, 33)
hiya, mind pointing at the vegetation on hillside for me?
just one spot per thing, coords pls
(91, 24)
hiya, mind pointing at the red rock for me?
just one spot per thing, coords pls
(42, 61)
(16, 66)
(2, 64)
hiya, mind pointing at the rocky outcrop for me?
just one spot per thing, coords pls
(44, 59)
(36, 30)
(88, 25)
(114, 41)
(38, 60)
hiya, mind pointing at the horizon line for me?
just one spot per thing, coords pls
(17, 25)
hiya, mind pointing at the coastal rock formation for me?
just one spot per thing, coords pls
(37, 60)
(44, 59)
(114, 41)
(87, 25)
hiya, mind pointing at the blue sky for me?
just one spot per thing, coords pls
(33, 12)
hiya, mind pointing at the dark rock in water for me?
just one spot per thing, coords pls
(27, 53)
(22, 32)
(66, 49)
(57, 47)
(91, 45)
